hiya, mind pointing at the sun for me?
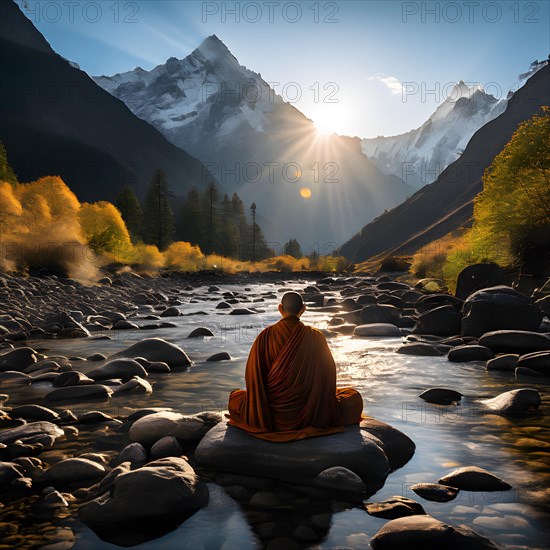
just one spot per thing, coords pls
(329, 117)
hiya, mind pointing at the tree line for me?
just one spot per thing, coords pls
(218, 225)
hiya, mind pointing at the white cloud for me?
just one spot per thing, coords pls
(391, 82)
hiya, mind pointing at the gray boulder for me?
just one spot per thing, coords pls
(440, 396)
(166, 446)
(118, 368)
(27, 431)
(473, 478)
(538, 361)
(499, 308)
(515, 341)
(505, 363)
(514, 402)
(72, 469)
(435, 492)
(149, 429)
(377, 329)
(339, 478)
(476, 277)
(77, 393)
(469, 352)
(394, 507)
(423, 349)
(17, 359)
(134, 453)
(428, 533)
(441, 321)
(382, 313)
(157, 349)
(229, 449)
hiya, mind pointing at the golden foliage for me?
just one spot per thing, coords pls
(183, 256)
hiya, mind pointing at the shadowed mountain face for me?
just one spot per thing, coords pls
(306, 186)
(54, 120)
(447, 203)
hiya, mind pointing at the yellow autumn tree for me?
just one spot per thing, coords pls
(10, 209)
(103, 229)
(183, 256)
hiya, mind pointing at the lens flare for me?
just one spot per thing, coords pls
(305, 192)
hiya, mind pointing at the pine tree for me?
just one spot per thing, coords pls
(212, 225)
(6, 172)
(293, 248)
(230, 237)
(158, 226)
(130, 208)
(191, 220)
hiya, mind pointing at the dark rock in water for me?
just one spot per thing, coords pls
(478, 276)
(243, 311)
(145, 503)
(435, 492)
(17, 359)
(34, 412)
(72, 469)
(538, 361)
(229, 449)
(394, 507)
(499, 308)
(8, 472)
(70, 327)
(158, 366)
(472, 478)
(522, 372)
(15, 376)
(339, 478)
(379, 314)
(157, 349)
(506, 363)
(398, 447)
(76, 393)
(514, 402)
(94, 417)
(136, 384)
(336, 321)
(440, 396)
(426, 532)
(134, 453)
(377, 329)
(515, 341)
(27, 431)
(123, 324)
(469, 352)
(441, 321)
(149, 429)
(423, 349)
(344, 329)
(223, 305)
(171, 312)
(200, 332)
(97, 357)
(221, 356)
(166, 446)
(72, 378)
(431, 301)
(118, 368)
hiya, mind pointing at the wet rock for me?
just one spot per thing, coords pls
(221, 356)
(118, 368)
(423, 349)
(135, 384)
(149, 429)
(72, 469)
(472, 478)
(67, 417)
(123, 324)
(171, 312)
(340, 479)
(522, 372)
(380, 314)
(377, 329)
(76, 393)
(134, 453)
(435, 492)
(72, 378)
(200, 332)
(95, 417)
(442, 321)
(469, 352)
(514, 402)
(8, 472)
(158, 366)
(499, 308)
(157, 349)
(394, 507)
(538, 361)
(441, 396)
(34, 412)
(223, 305)
(515, 341)
(26, 431)
(243, 311)
(17, 359)
(166, 446)
(163, 493)
(97, 357)
(478, 276)
(505, 363)
(427, 532)
(229, 449)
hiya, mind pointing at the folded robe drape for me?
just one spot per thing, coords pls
(291, 387)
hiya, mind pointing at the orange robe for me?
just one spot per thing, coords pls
(291, 387)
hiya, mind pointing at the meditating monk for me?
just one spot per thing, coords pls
(290, 379)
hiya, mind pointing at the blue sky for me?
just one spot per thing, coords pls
(363, 67)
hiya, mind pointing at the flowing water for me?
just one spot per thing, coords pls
(517, 450)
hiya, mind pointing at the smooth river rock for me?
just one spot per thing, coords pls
(32, 429)
(72, 469)
(377, 329)
(515, 341)
(228, 449)
(157, 349)
(440, 396)
(428, 533)
(513, 402)
(77, 393)
(473, 478)
(435, 492)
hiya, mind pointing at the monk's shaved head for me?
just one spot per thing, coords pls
(292, 303)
